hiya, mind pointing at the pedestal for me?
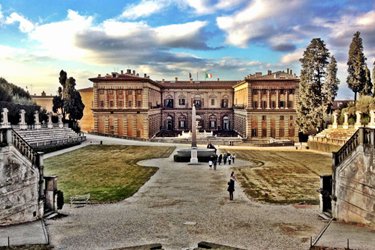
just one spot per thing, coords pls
(194, 156)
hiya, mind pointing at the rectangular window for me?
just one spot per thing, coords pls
(129, 103)
(263, 117)
(101, 91)
(281, 118)
(255, 104)
(101, 104)
(212, 124)
(111, 104)
(281, 132)
(110, 92)
(139, 103)
(273, 104)
(197, 103)
(182, 124)
(212, 102)
(264, 104)
(291, 118)
(139, 91)
(181, 101)
(129, 92)
(120, 104)
(273, 132)
(290, 104)
(119, 92)
(282, 104)
(264, 132)
(254, 132)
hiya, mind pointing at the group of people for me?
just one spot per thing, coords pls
(217, 159)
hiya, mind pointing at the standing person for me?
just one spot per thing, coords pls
(233, 157)
(220, 158)
(215, 161)
(229, 159)
(225, 158)
(231, 185)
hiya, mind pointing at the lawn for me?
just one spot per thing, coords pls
(283, 176)
(108, 173)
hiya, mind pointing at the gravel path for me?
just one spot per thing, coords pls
(180, 206)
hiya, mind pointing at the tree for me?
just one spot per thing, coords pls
(356, 66)
(367, 89)
(329, 90)
(311, 104)
(68, 101)
(373, 77)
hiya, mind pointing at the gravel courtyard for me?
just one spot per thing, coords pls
(180, 206)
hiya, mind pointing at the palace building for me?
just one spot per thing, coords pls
(259, 107)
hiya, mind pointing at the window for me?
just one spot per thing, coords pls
(139, 91)
(101, 104)
(111, 104)
(255, 104)
(281, 132)
(119, 92)
(263, 117)
(224, 103)
(212, 102)
(181, 101)
(139, 103)
(254, 132)
(120, 104)
(281, 118)
(168, 103)
(110, 92)
(264, 104)
(273, 132)
(129, 103)
(182, 123)
(101, 91)
(264, 132)
(282, 104)
(273, 104)
(197, 103)
(212, 124)
(291, 118)
(290, 104)
(129, 92)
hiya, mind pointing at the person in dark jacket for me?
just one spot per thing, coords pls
(231, 185)
(220, 158)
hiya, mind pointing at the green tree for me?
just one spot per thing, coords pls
(68, 101)
(311, 104)
(367, 89)
(356, 66)
(330, 87)
(373, 77)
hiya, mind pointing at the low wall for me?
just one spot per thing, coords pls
(323, 146)
(19, 198)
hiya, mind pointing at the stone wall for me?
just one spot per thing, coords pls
(323, 146)
(354, 187)
(19, 198)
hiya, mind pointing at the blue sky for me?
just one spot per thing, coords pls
(165, 38)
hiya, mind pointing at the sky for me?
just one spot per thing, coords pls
(169, 38)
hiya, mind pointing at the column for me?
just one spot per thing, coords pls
(5, 123)
(259, 98)
(286, 98)
(36, 120)
(95, 104)
(372, 119)
(286, 125)
(106, 104)
(115, 98)
(277, 98)
(134, 98)
(268, 121)
(334, 124)
(358, 120)
(268, 99)
(259, 120)
(50, 124)
(346, 124)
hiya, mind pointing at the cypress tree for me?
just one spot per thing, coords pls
(311, 104)
(367, 89)
(356, 66)
(331, 85)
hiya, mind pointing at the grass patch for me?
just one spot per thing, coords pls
(283, 176)
(108, 172)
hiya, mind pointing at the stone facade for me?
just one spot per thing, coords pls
(87, 121)
(259, 107)
(265, 106)
(43, 100)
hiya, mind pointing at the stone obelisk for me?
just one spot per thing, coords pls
(194, 150)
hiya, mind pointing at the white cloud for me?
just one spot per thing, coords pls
(25, 25)
(144, 9)
(292, 57)
(58, 39)
(1, 16)
(261, 18)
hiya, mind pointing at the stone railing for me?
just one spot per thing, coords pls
(23, 147)
(334, 141)
(362, 136)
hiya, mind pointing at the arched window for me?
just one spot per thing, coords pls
(182, 122)
(169, 123)
(197, 101)
(226, 123)
(225, 102)
(212, 122)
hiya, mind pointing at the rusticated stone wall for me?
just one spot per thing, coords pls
(19, 199)
(354, 187)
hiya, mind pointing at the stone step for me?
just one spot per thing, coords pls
(325, 216)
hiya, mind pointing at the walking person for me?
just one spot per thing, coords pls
(231, 185)
(233, 157)
(229, 159)
(225, 157)
(220, 158)
(215, 161)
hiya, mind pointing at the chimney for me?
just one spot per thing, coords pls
(128, 71)
(287, 71)
(162, 80)
(122, 72)
(290, 72)
(218, 79)
(145, 75)
(133, 72)
(99, 75)
(269, 72)
(137, 74)
(257, 74)
(176, 79)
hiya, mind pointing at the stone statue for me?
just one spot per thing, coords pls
(358, 120)
(61, 124)
(5, 123)
(334, 124)
(50, 124)
(346, 124)
(22, 122)
(36, 120)
(194, 151)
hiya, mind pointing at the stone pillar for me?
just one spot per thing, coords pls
(277, 98)
(61, 124)
(50, 192)
(268, 99)
(22, 123)
(134, 98)
(334, 125)
(259, 98)
(50, 124)
(371, 124)
(5, 123)
(194, 151)
(36, 120)
(346, 124)
(358, 120)
(286, 98)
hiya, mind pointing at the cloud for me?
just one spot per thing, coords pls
(25, 25)
(144, 9)
(292, 57)
(1, 15)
